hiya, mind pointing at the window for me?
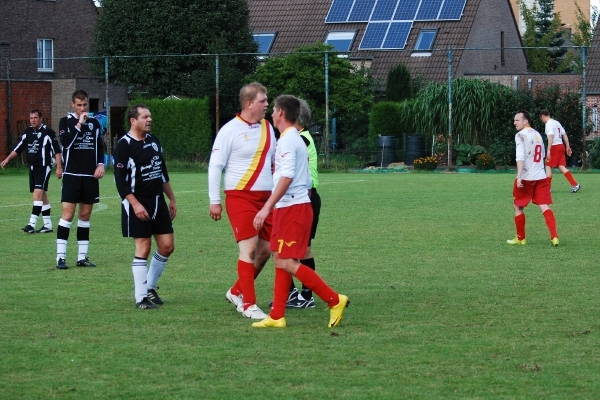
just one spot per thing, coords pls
(426, 39)
(341, 40)
(595, 118)
(45, 55)
(265, 41)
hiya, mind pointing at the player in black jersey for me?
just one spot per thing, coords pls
(142, 180)
(41, 144)
(83, 156)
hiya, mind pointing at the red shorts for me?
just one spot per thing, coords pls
(242, 206)
(557, 156)
(537, 192)
(291, 230)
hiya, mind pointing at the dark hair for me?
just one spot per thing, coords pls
(80, 95)
(290, 106)
(36, 111)
(545, 112)
(250, 91)
(134, 111)
(525, 115)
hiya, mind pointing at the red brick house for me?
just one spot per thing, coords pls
(593, 83)
(36, 38)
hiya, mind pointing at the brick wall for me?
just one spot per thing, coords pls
(25, 96)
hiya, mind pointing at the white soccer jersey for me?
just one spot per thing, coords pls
(291, 161)
(531, 150)
(554, 128)
(246, 152)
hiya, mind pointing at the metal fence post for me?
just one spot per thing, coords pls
(449, 107)
(108, 130)
(327, 109)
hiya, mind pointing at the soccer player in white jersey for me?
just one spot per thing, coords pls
(556, 150)
(531, 183)
(245, 147)
(292, 219)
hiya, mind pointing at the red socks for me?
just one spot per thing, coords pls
(314, 282)
(246, 275)
(280, 293)
(551, 223)
(520, 225)
(569, 177)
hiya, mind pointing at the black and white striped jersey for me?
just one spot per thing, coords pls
(41, 145)
(139, 167)
(83, 149)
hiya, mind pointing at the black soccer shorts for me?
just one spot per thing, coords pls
(39, 177)
(159, 223)
(80, 189)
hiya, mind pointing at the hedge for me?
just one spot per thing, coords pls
(182, 126)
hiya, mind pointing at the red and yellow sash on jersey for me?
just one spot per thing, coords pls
(258, 161)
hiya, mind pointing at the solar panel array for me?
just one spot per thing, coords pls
(390, 21)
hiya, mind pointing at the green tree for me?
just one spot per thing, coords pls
(543, 31)
(154, 28)
(398, 86)
(302, 74)
(583, 32)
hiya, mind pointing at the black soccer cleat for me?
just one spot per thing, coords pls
(153, 297)
(301, 303)
(145, 304)
(61, 264)
(44, 229)
(85, 263)
(28, 229)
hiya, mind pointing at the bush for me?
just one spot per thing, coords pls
(182, 126)
(485, 161)
(426, 163)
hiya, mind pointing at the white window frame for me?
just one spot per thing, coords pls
(45, 61)
(420, 37)
(341, 35)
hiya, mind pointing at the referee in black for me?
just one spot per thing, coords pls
(41, 144)
(83, 156)
(142, 181)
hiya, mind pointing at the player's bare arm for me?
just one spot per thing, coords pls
(282, 187)
(171, 196)
(59, 169)
(99, 172)
(7, 159)
(565, 139)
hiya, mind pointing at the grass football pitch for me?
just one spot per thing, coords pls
(441, 306)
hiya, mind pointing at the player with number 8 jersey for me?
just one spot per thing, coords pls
(531, 184)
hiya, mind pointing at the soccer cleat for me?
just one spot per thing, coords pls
(146, 304)
(269, 322)
(153, 297)
(337, 312)
(292, 296)
(61, 264)
(237, 301)
(554, 242)
(517, 241)
(575, 188)
(301, 303)
(253, 312)
(85, 263)
(28, 229)
(44, 229)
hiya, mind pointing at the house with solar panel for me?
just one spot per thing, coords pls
(482, 34)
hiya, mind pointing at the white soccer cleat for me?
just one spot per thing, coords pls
(253, 312)
(237, 301)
